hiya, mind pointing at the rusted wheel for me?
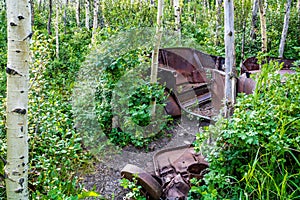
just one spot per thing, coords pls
(152, 187)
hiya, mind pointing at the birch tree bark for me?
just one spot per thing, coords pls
(158, 35)
(285, 28)
(95, 20)
(32, 12)
(230, 80)
(254, 20)
(263, 24)
(87, 14)
(50, 18)
(177, 14)
(19, 35)
(78, 13)
(57, 29)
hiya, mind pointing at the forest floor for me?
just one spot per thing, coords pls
(106, 175)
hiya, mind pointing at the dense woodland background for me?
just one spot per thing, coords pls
(66, 31)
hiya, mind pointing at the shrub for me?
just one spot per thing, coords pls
(256, 152)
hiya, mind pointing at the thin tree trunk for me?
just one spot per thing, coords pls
(177, 14)
(32, 12)
(95, 20)
(230, 80)
(254, 20)
(244, 13)
(65, 15)
(57, 30)
(218, 22)
(78, 13)
(158, 35)
(263, 24)
(40, 2)
(50, 18)
(189, 9)
(103, 13)
(87, 14)
(19, 35)
(285, 28)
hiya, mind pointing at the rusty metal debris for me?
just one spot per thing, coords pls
(195, 82)
(173, 169)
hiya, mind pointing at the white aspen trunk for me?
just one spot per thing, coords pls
(263, 24)
(254, 20)
(19, 35)
(218, 21)
(285, 28)
(87, 14)
(95, 20)
(230, 80)
(158, 35)
(177, 14)
(78, 13)
(244, 31)
(57, 29)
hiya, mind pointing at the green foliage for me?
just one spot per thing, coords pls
(256, 152)
(3, 49)
(140, 101)
(266, 134)
(134, 187)
(3, 60)
(55, 148)
(123, 15)
(56, 152)
(121, 94)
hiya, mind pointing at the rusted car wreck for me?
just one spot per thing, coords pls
(195, 82)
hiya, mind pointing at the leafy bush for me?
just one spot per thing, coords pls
(3, 60)
(135, 189)
(55, 148)
(256, 152)
(125, 96)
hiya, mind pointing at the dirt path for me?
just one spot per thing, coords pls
(105, 179)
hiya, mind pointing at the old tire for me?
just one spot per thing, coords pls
(151, 186)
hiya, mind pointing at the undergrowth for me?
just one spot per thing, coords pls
(256, 152)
